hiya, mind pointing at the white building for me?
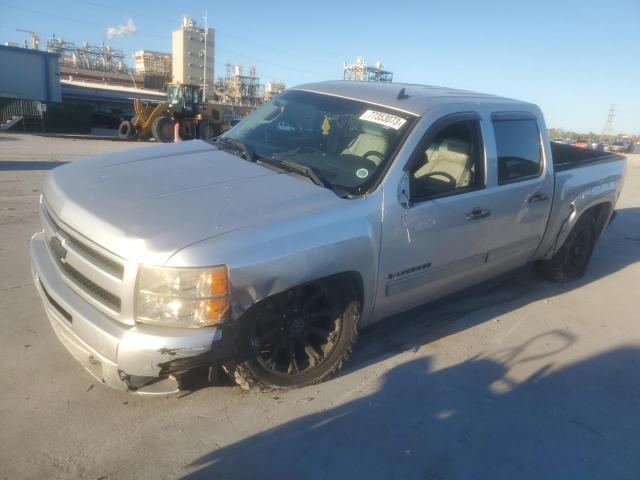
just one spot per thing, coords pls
(148, 62)
(190, 63)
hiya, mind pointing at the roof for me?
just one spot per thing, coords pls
(421, 98)
(28, 51)
(115, 88)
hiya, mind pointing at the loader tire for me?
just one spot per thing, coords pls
(126, 130)
(208, 130)
(162, 129)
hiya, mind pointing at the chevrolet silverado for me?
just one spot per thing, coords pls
(333, 206)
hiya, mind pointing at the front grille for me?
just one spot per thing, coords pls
(56, 305)
(105, 297)
(115, 268)
(91, 273)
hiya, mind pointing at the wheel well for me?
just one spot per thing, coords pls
(350, 281)
(600, 214)
(353, 281)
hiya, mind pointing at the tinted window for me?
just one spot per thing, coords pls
(450, 162)
(518, 146)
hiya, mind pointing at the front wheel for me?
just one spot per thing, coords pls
(571, 261)
(126, 130)
(296, 338)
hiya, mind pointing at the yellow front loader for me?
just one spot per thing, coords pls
(183, 105)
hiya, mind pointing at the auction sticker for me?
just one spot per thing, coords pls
(382, 118)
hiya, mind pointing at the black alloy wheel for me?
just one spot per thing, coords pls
(297, 331)
(570, 262)
(296, 338)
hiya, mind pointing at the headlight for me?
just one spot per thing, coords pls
(182, 297)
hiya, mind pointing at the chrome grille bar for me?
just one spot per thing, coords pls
(94, 275)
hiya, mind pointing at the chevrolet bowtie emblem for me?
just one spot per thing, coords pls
(58, 249)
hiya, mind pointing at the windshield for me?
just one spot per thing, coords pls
(346, 142)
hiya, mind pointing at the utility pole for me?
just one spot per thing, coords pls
(204, 75)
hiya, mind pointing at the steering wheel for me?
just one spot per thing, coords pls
(446, 175)
(373, 153)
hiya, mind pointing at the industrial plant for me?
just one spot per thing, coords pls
(107, 79)
(361, 72)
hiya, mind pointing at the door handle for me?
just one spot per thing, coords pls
(477, 213)
(538, 197)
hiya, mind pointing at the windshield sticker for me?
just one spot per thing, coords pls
(362, 173)
(326, 126)
(385, 119)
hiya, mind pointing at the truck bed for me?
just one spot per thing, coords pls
(566, 157)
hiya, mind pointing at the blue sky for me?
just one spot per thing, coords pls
(573, 58)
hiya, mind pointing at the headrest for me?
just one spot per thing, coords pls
(455, 145)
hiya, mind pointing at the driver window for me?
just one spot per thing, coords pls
(450, 163)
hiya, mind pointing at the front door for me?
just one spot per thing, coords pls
(435, 243)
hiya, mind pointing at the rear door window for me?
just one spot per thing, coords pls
(519, 149)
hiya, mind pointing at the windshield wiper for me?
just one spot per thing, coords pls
(298, 168)
(237, 146)
(275, 160)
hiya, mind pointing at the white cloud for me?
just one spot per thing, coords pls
(122, 30)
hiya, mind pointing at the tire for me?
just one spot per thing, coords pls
(162, 129)
(126, 130)
(318, 322)
(571, 261)
(207, 130)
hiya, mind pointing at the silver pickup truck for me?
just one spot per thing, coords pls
(332, 207)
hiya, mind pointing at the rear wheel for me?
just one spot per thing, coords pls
(208, 130)
(296, 338)
(571, 261)
(162, 129)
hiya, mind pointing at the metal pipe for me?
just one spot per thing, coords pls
(204, 75)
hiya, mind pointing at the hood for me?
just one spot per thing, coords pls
(146, 204)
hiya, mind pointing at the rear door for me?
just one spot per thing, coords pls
(521, 184)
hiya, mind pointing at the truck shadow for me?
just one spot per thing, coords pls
(473, 420)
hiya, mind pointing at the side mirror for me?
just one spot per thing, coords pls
(403, 191)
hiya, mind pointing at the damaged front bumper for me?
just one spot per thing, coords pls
(142, 358)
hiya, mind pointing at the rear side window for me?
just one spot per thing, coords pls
(519, 149)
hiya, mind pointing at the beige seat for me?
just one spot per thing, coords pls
(371, 139)
(451, 156)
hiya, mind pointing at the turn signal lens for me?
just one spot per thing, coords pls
(218, 282)
(215, 309)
